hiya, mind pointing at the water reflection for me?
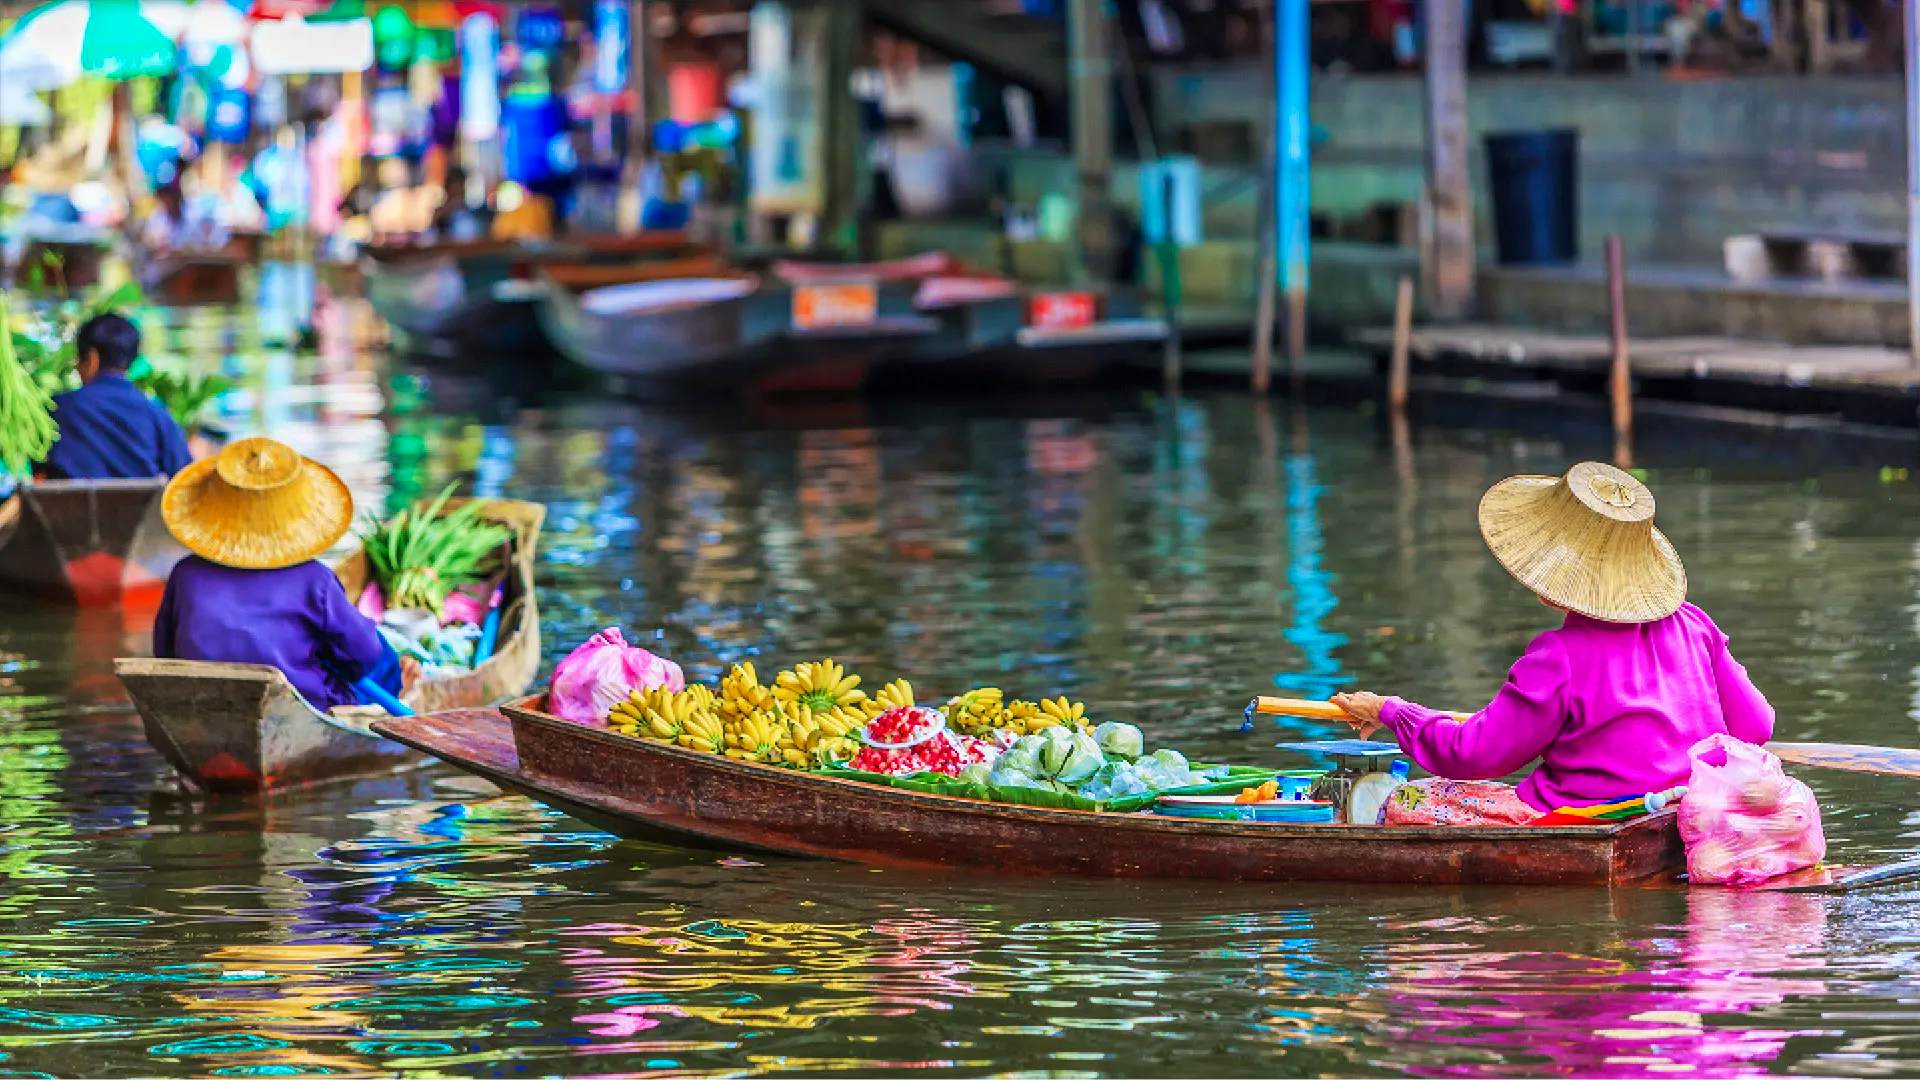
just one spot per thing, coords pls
(1162, 558)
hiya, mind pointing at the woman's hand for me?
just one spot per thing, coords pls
(409, 673)
(1363, 711)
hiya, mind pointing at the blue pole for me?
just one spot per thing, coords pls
(372, 693)
(1291, 61)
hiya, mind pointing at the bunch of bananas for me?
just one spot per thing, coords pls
(685, 718)
(1033, 717)
(825, 688)
(897, 694)
(977, 712)
(741, 694)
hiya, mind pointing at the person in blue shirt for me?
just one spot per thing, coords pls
(109, 428)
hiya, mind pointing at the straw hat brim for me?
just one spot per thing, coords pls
(1574, 559)
(257, 530)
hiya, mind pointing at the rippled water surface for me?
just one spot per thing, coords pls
(1163, 560)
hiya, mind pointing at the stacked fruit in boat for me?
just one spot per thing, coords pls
(815, 714)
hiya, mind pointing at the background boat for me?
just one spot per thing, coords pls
(455, 300)
(86, 542)
(244, 728)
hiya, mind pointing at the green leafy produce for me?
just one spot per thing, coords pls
(1120, 740)
(185, 396)
(419, 556)
(27, 429)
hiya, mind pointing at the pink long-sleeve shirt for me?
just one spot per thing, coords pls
(1610, 709)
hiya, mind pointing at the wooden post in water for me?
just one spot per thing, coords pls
(1911, 21)
(1402, 345)
(1449, 187)
(1090, 92)
(1171, 361)
(1265, 270)
(1619, 378)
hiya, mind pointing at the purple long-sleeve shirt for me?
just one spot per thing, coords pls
(1610, 709)
(297, 619)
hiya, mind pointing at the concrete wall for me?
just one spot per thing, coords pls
(1674, 167)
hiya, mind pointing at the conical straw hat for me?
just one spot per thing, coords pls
(1586, 542)
(257, 505)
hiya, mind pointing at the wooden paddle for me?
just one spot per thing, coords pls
(1311, 710)
(1880, 760)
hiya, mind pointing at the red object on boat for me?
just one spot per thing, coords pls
(910, 739)
(1063, 310)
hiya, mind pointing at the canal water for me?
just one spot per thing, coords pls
(1162, 559)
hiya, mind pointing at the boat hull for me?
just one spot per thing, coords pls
(654, 791)
(189, 279)
(243, 728)
(88, 543)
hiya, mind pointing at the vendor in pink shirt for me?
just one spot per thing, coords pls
(1611, 700)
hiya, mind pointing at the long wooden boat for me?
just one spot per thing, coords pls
(244, 728)
(731, 332)
(992, 332)
(440, 290)
(89, 543)
(653, 791)
(188, 278)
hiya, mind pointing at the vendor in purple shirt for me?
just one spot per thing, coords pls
(1611, 701)
(109, 428)
(255, 517)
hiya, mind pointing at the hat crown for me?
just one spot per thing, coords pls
(1612, 493)
(258, 464)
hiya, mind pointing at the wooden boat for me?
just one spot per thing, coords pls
(244, 728)
(86, 542)
(665, 793)
(80, 259)
(731, 332)
(991, 331)
(186, 278)
(477, 300)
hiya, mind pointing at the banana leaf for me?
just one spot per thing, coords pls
(1237, 778)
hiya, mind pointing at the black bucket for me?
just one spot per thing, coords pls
(1535, 176)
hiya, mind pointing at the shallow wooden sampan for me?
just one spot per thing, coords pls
(243, 728)
(652, 791)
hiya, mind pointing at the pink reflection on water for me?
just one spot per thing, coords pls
(1659, 1007)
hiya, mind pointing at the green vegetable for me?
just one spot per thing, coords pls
(1069, 757)
(419, 556)
(1120, 740)
(27, 428)
(185, 396)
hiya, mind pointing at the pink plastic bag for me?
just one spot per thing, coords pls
(602, 672)
(1743, 819)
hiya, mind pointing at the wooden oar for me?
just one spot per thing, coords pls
(1311, 710)
(1880, 760)
(1847, 757)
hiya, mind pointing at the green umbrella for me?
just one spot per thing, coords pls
(110, 38)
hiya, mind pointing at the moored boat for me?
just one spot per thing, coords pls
(995, 332)
(188, 278)
(732, 332)
(243, 727)
(469, 294)
(655, 791)
(86, 542)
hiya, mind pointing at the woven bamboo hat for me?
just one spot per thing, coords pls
(1586, 542)
(257, 505)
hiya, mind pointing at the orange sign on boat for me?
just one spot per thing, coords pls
(840, 304)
